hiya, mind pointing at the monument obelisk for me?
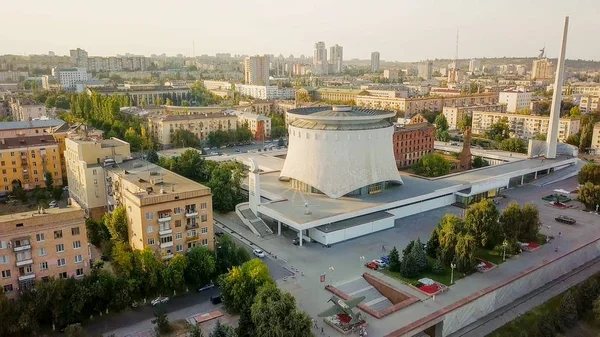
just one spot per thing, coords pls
(552, 137)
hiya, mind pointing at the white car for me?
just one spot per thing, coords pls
(258, 253)
(380, 263)
(53, 204)
(159, 300)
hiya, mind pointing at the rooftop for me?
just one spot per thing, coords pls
(340, 117)
(170, 118)
(153, 180)
(30, 124)
(413, 127)
(47, 212)
(12, 143)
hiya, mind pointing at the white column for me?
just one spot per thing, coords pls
(552, 137)
(522, 177)
(278, 227)
(300, 236)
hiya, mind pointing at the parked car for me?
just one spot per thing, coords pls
(159, 300)
(371, 265)
(219, 234)
(206, 287)
(565, 219)
(53, 204)
(216, 299)
(380, 263)
(258, 253)
(386, 259)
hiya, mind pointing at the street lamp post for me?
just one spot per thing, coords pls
(331, 269)
(548, 234)
(452, 267)
(504, 245)
(362, 259)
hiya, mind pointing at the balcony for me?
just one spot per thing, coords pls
(191, 213)
(21, 247)
(166, 244)
(27, 277)
(164, 216)
(191, 225)
(24, 262)
(165, 231)
(167, 256)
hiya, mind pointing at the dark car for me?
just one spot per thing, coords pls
(215, 299)
(219, 233)
(565, 220)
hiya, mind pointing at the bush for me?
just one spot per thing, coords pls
(568, 310)
(546, 326)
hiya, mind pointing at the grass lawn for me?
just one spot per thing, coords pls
(489, 255)
(443, 278)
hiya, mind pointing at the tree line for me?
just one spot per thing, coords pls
(589, 191)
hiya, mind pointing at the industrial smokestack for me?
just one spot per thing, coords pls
(552, 137)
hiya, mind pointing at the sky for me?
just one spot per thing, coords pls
(401, 30)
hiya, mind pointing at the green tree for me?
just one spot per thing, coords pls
(152, 157)
(240, 284)
(441, 128)
(513, 145)
(585, 137)
(409, 267)
(221, 330)
(589, 195)
(74, 331)
(449, 228)
(518, 223)
(274, 313)
(573, 140)
(433, 244)
(438, 267)
(96, 231)
(575, 112)
(464, 122)
(541, 136)
(200, 266)
(596, 309)
(217, 138)
(585, 295)
(117, 224)
(229, 255)
(225, 183)
(481, 221)
(432, 165)
(394, 260)
(150, 272)
(122, 259)
(590, 172)
(498, 131)
(479, 162)
(546, 326)
(48, 180)
(184, 138)
(419, 255)
(174, 273)
(19, 193)
(466, 246)
(163, 326)
(195, 331)
(134, 139)
(189, 164)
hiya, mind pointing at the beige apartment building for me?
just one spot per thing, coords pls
(26, 109)
(258, 124)
(596, 139)
(38, 245)
(166, 211)
(524, 126)
(163, 126)
(455, 114)
(589, 104)
(86, 161)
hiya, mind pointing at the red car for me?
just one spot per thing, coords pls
(372, 265)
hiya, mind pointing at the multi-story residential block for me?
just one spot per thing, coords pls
(24, 109)
(375, 61)
(391, 74)
(146, 94)
(524, 126)
(425, 69)
(79, 58)
(39, 245)
(588, 104)
(455, 114)
(447, 92)
(256, 70)
(162, 126)
(12, 76)
(320, 65)
(411, 142)
(515, 100)
(86, 161)
(266, 92)
(258, 124)
(474, 65)
(69, 77)
(542, 69)
(165, 211)
(595, 147)
(217, 85)
(336, 57)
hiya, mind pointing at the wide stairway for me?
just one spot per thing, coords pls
(258, 226)
(360, 287)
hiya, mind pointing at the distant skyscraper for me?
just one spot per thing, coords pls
(320, 65)
(256, 70)
(336, 58)
(474, 65)
(374, 61)
(425, 69)
(79, 58)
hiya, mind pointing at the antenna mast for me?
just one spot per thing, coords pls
(456, 53)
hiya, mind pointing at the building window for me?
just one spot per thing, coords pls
(6, 273)
(178, 236)
(35, 172)
(179, 248)
(42, 252)
(191, 233)
(204, 230)
(76, 244)
(61, 262)
(43, 266)
(94, 172)
(205, 242)
(166, 239)
(62, 275)
(177, 210)
(204, 218)
(151, 241)
(150, 229)
(60, 248)
(8, 288)
(58, 234)
(203, 205)
(40, 237)
(78, 258)
(79, 272)
(4, 259)
(149, 216)
(177, 223)
(3, 245)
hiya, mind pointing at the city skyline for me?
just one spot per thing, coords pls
(58, 28)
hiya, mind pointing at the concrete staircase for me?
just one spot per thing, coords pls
(256, 224)
(360, 287)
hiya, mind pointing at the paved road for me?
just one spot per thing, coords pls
(502, 316)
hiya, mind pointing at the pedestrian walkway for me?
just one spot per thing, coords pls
(360, 287)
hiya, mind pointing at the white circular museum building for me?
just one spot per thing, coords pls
(340, 150)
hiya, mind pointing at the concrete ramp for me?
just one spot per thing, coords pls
(560, 175)
(360, 287)
(256, 224)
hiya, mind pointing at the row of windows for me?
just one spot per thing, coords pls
(177, 210)
(12, 153)
(79, 272)
(43, 266)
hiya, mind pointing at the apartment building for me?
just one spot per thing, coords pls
(588, 104)
(163, 126)
(165, 211)
(515, 100)
(391, 74)
(524, 126)
(542, 69)
(39, 245)
(24, 109)
(266, 91)
(144, 95)
(596, 139)
(86, 161)
(454, 114)
(375, 61)
(258, 124)
(256, 70)
(411, 142)
(69, 77)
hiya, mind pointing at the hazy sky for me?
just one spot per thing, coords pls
(402, 30)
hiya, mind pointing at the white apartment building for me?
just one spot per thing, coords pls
(258, 124)
(320, 65)
(69, 77)
(336, 54)
(589, 104)
(524, 126)
(256, 70)
(454, 114)
(596, 139)
(375, 61)
(515, 100)
(217, 85)
(266, 92)
(474, 65)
